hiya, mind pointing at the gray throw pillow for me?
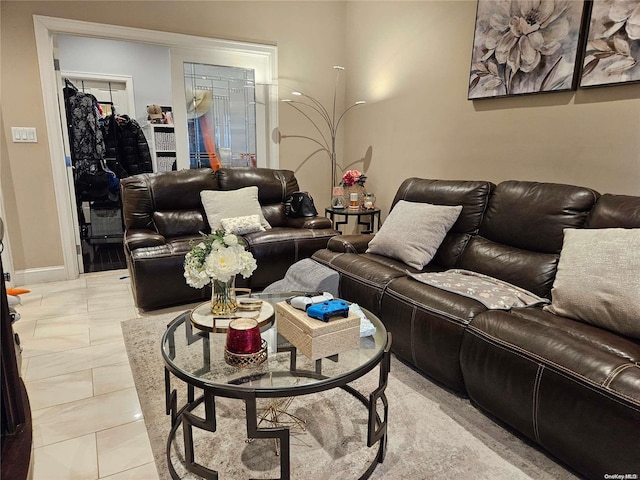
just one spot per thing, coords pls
(413, 232)
(231, 203)
(598, 279)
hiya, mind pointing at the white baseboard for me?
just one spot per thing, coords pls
(31, 276)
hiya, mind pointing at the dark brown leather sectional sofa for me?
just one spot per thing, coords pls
(571, 387)
(163, 213)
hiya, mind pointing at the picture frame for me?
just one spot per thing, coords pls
(612, 47)
(526, 47)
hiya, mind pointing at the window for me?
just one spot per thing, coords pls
(221, 115)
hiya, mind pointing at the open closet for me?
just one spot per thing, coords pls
(105, 146)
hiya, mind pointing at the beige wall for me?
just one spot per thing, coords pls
(410, 60)
(310, 40)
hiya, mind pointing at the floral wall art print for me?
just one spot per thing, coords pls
(525, 46)
(612, 54)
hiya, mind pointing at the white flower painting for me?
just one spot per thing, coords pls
(613, 43)
(525, 46)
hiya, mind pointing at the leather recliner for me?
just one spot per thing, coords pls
(163, 213)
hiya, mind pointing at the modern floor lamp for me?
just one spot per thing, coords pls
(331, 120)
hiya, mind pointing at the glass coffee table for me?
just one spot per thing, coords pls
(195, 356)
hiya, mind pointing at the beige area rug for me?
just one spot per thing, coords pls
(432, 433)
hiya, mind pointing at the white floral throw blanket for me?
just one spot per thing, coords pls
(493, 293)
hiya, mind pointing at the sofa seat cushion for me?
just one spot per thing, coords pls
(455, 308)
(596, 356)
(427, 325)
(372, 269)
(398, 265)
(577, 386)
(363, 278)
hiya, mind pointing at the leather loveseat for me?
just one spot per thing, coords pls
(163, 213)
(570, 386)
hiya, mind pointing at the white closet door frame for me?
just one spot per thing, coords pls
(126, 79)
(46, 27)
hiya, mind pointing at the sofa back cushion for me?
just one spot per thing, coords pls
(615, 211)
(274, 186)
(471, 195)
(167, 202)
(521, 234)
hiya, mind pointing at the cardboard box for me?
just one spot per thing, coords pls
(314, 338)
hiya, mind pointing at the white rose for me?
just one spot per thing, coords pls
(230, 239)
(222, 264)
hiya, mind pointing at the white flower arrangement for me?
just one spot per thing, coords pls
(219, 256)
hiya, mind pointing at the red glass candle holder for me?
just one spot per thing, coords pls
(243, 336)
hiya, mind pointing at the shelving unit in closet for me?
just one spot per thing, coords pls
(161, 138)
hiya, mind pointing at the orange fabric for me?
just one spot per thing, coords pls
(209, 143)
(17, 291)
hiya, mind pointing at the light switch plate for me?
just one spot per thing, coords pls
(24, 135)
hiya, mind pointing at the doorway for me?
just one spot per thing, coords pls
(229, 53)
(98, 205)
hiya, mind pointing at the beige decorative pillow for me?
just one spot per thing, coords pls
(231, 203)
(242, 225)
(598, 279)
(413, 232)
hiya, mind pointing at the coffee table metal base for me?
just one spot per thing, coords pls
(376, 431)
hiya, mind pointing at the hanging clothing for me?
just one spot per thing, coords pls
(125, 142)
(86, 142)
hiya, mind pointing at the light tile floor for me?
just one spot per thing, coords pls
(87, 421)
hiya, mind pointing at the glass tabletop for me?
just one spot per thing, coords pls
(197, 357)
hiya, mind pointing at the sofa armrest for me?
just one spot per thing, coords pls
(139, 238)
(308, 222)
(350, 243)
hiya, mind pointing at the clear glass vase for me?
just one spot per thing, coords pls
(223, 297)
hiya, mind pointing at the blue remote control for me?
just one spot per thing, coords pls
(331, 308)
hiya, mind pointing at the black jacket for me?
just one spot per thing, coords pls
(125, 141)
